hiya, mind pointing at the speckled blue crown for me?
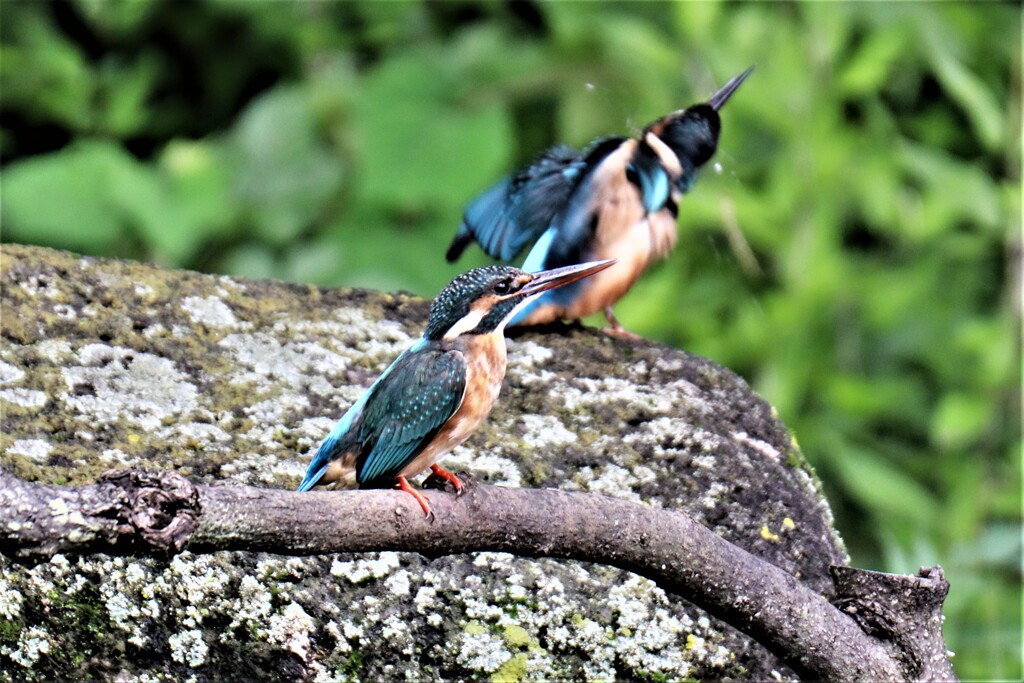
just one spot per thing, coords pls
(454, 301)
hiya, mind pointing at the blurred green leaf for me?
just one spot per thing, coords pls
(65, 199)
(981, 107)
(994, 357)
(313, 262)
(418, 146)
(94, 195)
(872, 397)
(955, 191)
(284, 176)
(880, 486)
(44, 73)
(252, 260)
(199, 187)
(115, 17)
(122, 91)
(866, 73)
(960, 419)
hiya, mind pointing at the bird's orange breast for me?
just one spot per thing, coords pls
(485, 358)
(624, 231)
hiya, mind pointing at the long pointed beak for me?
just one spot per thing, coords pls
(549, 279)
(726, 91)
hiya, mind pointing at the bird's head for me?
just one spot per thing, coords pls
(483, 300)
(693, 132)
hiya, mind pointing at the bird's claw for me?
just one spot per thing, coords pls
(404, 485)
(622, 333)
(443, 476)
(616, 329)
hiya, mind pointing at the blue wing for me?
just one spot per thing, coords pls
(517, 210)
(570, 238)
(407, 409)
(339, 441)
(343, 438)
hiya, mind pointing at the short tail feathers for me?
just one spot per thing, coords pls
(486, 220)
(311, 478)
(463, 238)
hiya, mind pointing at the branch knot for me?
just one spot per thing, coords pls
(904, 610)
(163, 509)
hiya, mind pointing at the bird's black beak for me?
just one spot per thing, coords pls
(726, 91)
(549, 279)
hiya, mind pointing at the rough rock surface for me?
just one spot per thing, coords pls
(106, 363)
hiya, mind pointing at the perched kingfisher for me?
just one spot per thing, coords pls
(440, 389)
(617, 199)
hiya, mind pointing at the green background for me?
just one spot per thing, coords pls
(856, 255)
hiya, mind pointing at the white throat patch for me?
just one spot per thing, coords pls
(478, 311)
(467, 323)
(518, 307)
(665, 154)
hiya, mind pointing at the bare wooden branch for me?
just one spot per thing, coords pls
(127, 512)
(131, 512)
(904, 609)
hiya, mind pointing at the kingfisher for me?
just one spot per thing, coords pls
(438, 391)
(619, 198)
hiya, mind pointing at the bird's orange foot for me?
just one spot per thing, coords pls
(404, 485)
(616, 329)
(622, 333)
(448, 476)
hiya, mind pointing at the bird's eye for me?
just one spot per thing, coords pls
(503, 287)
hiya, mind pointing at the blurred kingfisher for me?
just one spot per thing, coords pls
(440, 389)
(617, 199)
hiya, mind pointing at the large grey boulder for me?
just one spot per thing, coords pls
(107, 363)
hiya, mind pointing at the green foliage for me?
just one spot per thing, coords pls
(856, 257)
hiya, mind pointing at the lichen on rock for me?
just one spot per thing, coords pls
(107, 363)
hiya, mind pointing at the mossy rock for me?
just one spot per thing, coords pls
(106, 363)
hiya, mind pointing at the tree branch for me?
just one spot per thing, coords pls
(904, 609)
(133, 512)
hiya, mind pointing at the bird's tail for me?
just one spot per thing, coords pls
(311, 478)
(484, 222)
(462, 239)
